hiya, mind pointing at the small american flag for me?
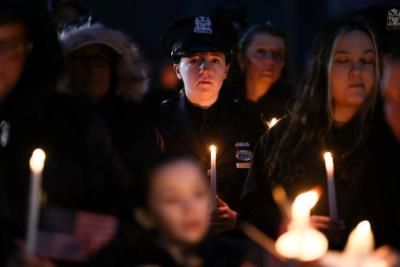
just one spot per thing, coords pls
(73, 235)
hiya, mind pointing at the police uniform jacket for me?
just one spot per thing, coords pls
(230, 125)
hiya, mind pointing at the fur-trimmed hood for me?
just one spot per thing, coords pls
(132, 70)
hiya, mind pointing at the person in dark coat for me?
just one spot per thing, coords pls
(334, 110)
(199, 117)
(107, 71)
(81, 169)
(264, 80)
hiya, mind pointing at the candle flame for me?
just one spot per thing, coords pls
(361, 240)
(328, 158)
(302, 242)
(37, 160)
(272, 122)
(363, 228)
(213, 148)
(305, 201)
(301, 209)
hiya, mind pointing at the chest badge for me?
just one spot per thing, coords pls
(244, 155)
(4, 133)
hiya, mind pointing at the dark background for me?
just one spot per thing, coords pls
(145, 20)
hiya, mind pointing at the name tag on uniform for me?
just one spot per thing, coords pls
(244, 155)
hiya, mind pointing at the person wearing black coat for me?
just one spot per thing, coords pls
(107, 71)
(199, 117)
(263, 80)
(232, 126)
(334, 111)
(81, 169)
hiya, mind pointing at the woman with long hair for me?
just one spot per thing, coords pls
(333, 111)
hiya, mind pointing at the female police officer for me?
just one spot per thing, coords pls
(200, 47)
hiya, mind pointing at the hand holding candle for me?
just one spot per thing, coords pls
(331, 186)
(213, 175)
(36, 165)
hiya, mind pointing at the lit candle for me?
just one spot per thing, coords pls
(361, 241)
(358, 250)
(272, 122)
(303, 245)
(213, 175)
(301, 209)
(331, 186)
(36, 165)
(302, 242)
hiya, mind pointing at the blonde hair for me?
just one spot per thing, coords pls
(311, 116)
(371, 99)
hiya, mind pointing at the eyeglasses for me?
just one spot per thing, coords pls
(14, 48)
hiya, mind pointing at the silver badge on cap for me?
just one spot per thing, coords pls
(393, 19)
(203, 24)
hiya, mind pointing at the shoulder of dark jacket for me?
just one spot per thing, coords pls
(168, 107)
(243, 109)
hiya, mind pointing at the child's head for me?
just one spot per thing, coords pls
(174, 200)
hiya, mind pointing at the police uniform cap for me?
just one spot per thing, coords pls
(198, 34)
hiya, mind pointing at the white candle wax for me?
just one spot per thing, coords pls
(213, 175)
(36, 165)
(331, 186)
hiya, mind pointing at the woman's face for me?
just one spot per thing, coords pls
(264, 58)
(90, 71)
(203, 75)
(179, 203)
(352, 73)
(13, 50)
